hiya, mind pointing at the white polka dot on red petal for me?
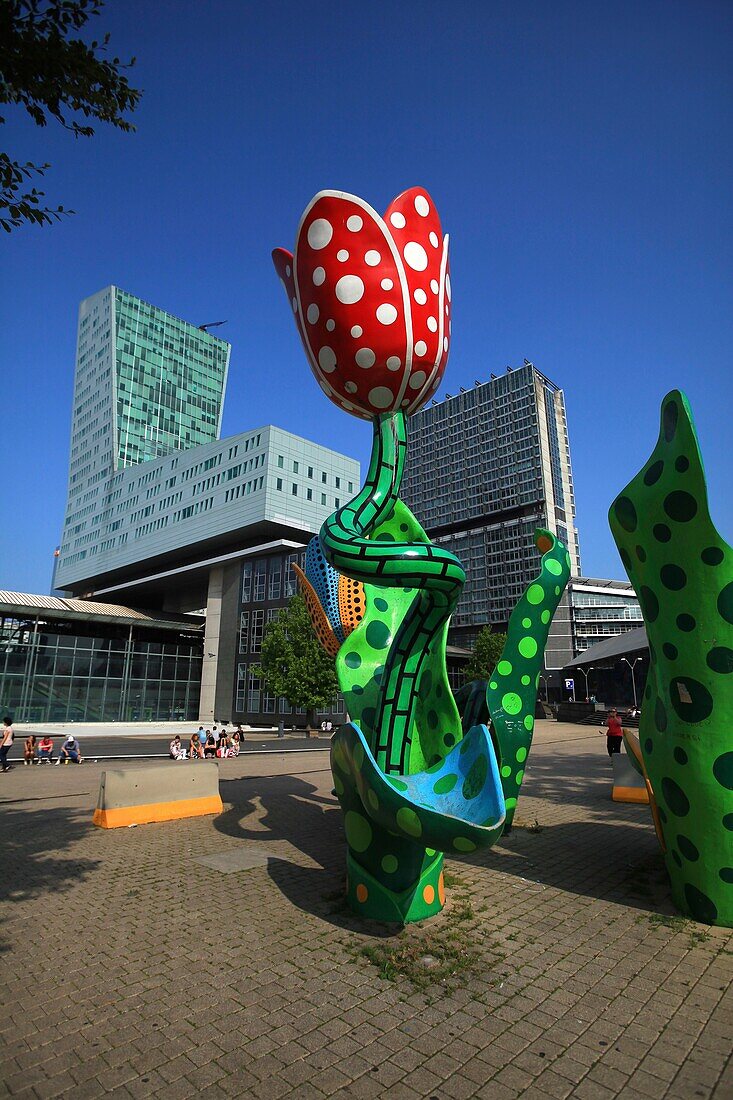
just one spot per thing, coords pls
(381, 397)
(434, 240)
(386, 284)
(422, 206)
(319, 276)
(320, 233)
(349, 289)
(434, 286)
(365, 358)
(372, 257)
(386, 314)
(342, 255)
(398, 220)
(327, 359)
(356, 331)
(354, 223)
(432, 324)
(420, 347)
(417, 379)
(330, 325)
(313, 313)
(415, 256)
(394, 363)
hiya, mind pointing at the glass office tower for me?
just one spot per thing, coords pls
(484, 469)
(145, 384)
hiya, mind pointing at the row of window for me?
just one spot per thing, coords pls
(309, 472)
(308, 492)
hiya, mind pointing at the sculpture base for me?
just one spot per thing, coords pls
(374, 900)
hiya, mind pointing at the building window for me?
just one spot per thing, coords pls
(247, 582)
(273, 591)
(337, 502)
(294, 490)
(295, 466)
(310, 471)
(240, 695)
(268, 703)
(290, 585)
(323, 498)
(244, 632)
(258, 625)
(280, 462)
(309, 494)
(338, 482)
(259, 585)
(324, 478)
(253, 694)
(279, 484)
(351, 486)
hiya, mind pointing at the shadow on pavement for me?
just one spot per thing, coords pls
(295, 812)
(31, 845)
(611, 861)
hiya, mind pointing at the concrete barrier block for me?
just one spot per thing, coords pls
(157, 792)
(628, 785)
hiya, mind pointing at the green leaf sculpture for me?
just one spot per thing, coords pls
(682, 571)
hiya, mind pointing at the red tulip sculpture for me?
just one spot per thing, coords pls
(372, 300)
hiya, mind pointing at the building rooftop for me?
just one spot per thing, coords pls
(30, 605)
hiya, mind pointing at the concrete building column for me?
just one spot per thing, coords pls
(211, 645)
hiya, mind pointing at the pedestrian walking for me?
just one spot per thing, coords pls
(7, 740)
(614, 733)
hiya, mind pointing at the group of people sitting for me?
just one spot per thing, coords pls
(216, 742)
(40, 751)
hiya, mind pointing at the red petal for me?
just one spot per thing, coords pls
(415, 226)
(351, 293)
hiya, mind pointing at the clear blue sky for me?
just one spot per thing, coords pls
(579, 154)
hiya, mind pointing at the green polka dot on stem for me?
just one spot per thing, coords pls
(408, 821)
(358, 831)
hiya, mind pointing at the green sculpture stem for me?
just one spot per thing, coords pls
(435, 572)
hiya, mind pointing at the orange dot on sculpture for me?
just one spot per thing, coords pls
(428, 895)
(361, 892)
(441, 889)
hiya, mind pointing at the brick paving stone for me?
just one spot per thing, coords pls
(579, 992)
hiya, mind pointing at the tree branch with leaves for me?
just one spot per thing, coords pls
(50, 72)
(295, 665)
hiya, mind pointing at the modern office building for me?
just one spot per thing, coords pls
(74, 660)
(145, 384)
(484, 469)
(591, 610)
(163, 514)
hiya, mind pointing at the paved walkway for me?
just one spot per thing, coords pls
(131, 968)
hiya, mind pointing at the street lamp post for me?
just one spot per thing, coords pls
(586, 674)
(544, 680)
(633, 677)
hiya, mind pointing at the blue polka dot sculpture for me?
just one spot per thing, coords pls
(683, 573)
(371, 302)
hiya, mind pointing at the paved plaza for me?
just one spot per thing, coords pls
(213, 957)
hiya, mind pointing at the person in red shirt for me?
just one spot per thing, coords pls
(614, 733)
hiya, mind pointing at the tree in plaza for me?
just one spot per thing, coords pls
(486, 652)
(294, 663)
(51, 72)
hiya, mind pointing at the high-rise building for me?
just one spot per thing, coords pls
(163, 514)
(145, 384)
(484, 469)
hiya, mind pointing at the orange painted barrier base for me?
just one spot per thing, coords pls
(630, 794)
(157, 811)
